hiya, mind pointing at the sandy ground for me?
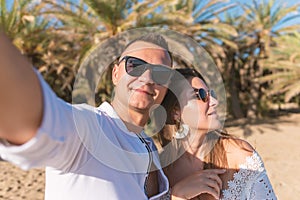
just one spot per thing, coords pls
(276, 140)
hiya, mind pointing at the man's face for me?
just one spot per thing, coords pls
(141, 92)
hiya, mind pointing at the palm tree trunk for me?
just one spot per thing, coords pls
(236, 108)
(254, 95)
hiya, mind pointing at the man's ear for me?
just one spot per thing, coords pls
(115, 74)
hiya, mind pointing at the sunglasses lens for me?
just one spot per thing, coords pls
(134, 67)
(161, 75)
(203, 95)
(213, 94)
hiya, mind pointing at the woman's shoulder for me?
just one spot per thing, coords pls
(237, 152)
(246, 174)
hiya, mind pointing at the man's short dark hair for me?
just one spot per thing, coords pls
(153, 38)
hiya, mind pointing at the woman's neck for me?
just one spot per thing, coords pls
(193, 142)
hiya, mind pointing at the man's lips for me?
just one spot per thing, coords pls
(144, 91)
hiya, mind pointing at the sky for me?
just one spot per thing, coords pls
(285, 2)
(288, 2)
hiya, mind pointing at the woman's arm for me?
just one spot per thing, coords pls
(262, 188)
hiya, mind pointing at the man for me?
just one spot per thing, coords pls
(89, 153)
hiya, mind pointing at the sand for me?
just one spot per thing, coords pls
(277, 141)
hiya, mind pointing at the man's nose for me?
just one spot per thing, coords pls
(146, 77)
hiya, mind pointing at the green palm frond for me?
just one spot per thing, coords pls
(271, 15)
(200, 20)
(284, 67)
(292, 90)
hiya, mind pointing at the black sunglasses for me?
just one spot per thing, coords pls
(204, 95)
(136, 67)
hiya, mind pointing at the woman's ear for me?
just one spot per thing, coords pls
(115, 74)
(176, 114)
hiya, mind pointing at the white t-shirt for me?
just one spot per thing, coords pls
(88, 153)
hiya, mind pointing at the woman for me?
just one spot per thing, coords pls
(193, 140)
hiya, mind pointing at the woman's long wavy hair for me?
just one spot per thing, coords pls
(213, 152)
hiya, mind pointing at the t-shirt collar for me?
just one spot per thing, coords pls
(110, 111)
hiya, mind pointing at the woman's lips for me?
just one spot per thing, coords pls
(212, 113)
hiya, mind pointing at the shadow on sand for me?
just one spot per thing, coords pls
(270, 121)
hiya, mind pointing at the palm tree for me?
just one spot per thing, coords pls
(267, 20)
(284, 67)
(97, 20)
(52, 52)
(261, 22)
(21, 24)
(199, 20)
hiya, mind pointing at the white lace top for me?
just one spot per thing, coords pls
(250, 182)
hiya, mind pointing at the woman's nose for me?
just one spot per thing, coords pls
(213, 101)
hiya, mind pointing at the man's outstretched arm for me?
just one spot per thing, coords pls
(21, 101)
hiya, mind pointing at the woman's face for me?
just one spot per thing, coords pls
(196, 113)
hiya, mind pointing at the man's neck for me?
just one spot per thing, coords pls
(134, 120)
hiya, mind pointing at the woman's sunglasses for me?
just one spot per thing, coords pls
(204, 95)
(136, 67)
